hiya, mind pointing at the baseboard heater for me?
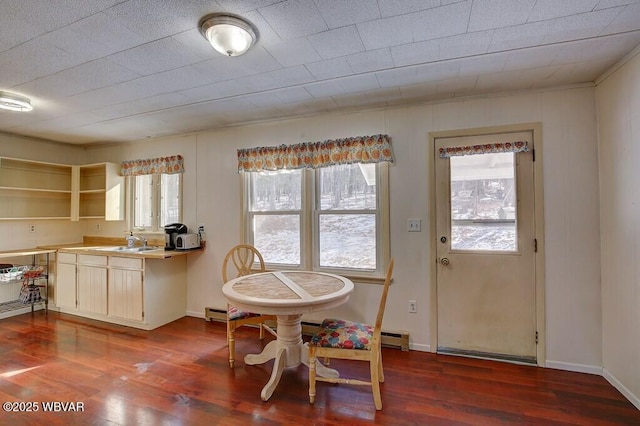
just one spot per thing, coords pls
(390, 339)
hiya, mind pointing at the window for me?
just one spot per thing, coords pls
(156, 200)
(330, 218)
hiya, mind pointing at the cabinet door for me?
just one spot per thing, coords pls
(92, 289)
(125, 294)
(65, 290)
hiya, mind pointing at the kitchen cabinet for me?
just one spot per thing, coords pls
(92, 284)
(98, 192)
(125, 286)
(129, 290)
(66, 278)
(40, 190)
(34, 189)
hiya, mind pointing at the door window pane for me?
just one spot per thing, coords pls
(277, 238)
(483, 202)
(348, 241)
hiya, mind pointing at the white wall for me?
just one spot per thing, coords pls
(618, 106)
(573, 317)
(571, 206)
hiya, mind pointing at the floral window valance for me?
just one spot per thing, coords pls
(487, 148)
(312, 155)
(151, 166)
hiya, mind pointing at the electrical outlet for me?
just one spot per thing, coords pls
(413, 225)
(98, 226)
(413, 306)
(32, 228)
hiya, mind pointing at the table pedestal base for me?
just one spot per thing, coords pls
(288, 351)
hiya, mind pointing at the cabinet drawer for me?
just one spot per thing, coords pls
(67, 257)
(87, 259)
(126, 263)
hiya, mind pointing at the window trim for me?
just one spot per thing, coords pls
(308, 222)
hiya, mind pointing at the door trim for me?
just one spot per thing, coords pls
(536, 129)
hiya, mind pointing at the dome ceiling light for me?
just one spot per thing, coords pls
(14, 102)
(229, 35)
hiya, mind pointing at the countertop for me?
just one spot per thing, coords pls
(159, 253)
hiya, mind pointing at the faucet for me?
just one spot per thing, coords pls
(131, 240)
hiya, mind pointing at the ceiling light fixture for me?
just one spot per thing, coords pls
(14, 102)
(229, 35)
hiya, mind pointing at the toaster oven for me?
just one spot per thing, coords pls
(187, 241)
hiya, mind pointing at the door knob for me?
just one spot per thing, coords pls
(444, 261)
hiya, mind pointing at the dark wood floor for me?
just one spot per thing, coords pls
(178, 374)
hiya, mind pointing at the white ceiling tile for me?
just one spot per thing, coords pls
(514, 80)
(294, 18)
(484, 64)
(285, 77)
(342, 13)
(37, 58)
(519, 36)
(372, 60)
(615, 46)
(263, 100)
(154, 19)
(490, 14)
(98, 73)
(425, 25)
(213, 91)
(605, 4)
(292, 95)
(465, 45)
(338, 42)
(223, 68)
(243, 6)
(418, 74)
(395, 7)
(330, 68)
(549, 9)
(93, 37)
(157, 56)
(175, 80)
(15, 31)
(51, 15)
(627, 20)
(581, 26)
(415, 53)
(534, 57)
(293, 52)
(345, 85)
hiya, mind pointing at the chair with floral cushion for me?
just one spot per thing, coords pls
(243, 257)
(351, 340)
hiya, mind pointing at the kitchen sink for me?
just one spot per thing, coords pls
(125, 249)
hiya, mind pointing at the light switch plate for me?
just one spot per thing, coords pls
(413, 225)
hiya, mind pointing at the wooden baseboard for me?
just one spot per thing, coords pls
(398, 339)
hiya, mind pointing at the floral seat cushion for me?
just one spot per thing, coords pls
(341, 334)
(236, 314)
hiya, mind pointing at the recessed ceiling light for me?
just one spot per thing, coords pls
(229, 35)
(14, 102)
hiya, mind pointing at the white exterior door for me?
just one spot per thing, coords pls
(485, 230)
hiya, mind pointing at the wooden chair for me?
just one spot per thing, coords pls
(243, 257)
(351, 340)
